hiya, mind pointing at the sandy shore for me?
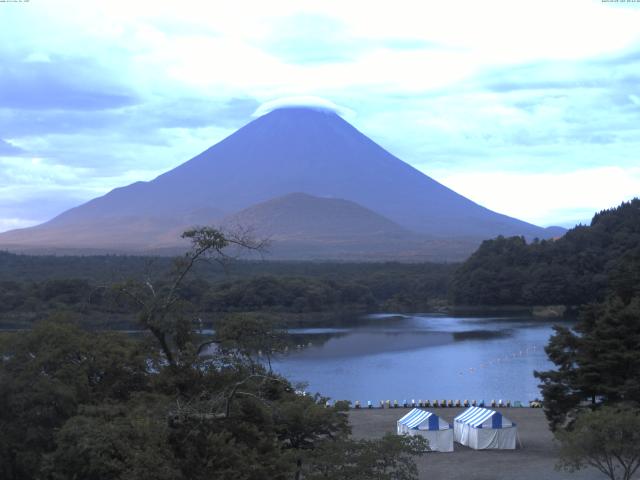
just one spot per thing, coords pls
(534, 461)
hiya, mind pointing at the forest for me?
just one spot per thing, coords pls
(573, 270)
(576, 269)
(161, 406)
(76, 403)
(33, 287)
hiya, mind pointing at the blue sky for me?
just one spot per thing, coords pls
(531, 108)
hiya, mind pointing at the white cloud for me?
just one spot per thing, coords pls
(13, 223)
(36, 171)
(538, 197)
(37, 57)
(200, 44)
(302, 101)
(491, 86)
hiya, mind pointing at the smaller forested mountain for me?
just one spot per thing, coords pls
(575, 269)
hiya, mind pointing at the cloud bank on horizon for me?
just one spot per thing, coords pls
(529, 108)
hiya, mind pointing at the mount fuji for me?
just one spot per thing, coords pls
(301, 175)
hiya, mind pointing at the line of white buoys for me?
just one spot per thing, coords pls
(501, 360)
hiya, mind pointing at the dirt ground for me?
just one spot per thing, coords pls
(534, 461)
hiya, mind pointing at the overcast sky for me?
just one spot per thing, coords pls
(531, 108)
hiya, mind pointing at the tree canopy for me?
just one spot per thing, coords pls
(606, 439)
(290, 289)
(575, 269)
(107, 406)
(597, 362)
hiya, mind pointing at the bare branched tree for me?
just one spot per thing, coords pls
(157, 304)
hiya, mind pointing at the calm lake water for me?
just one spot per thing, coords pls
(398, 357)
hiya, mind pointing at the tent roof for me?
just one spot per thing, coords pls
(476, 416)
(416, 417)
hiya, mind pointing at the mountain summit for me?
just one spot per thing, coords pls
(292, 149)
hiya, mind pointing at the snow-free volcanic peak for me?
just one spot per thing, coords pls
(290, 149)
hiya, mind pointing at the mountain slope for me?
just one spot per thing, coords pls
(287, 150)
(305, 217)
(301, 226)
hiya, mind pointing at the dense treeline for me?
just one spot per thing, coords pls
(592, 396)
(293, 288)
(114, 268)
(597, 361)
(75, 404)
(292, 294)
(382, 290)
(575, 269)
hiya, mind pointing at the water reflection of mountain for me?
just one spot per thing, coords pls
(481, 334)
(354, 344)
(428, 356)
(347, 343)
(390, 333)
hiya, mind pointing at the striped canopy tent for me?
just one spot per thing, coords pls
(428, 425)
(481, 428)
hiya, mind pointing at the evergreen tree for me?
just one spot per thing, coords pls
(596, 363)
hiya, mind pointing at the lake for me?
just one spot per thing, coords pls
(406, 357)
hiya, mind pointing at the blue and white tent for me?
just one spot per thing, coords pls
(480, 428)
(430, 426)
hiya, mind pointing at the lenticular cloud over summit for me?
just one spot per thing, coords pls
(315, 103)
